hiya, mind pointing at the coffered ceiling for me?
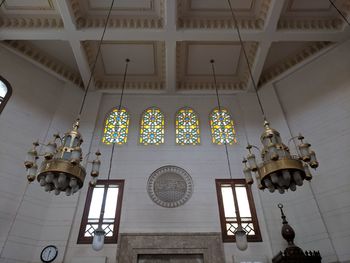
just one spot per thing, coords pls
(170, 42)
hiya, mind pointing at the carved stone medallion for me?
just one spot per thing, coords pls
(170, 186)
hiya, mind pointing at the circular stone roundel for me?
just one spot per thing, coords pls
(170, 186)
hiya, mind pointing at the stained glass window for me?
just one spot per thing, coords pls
(116, 127)
(187, 127)
(5, 93)
(222, 128)
(152, 127)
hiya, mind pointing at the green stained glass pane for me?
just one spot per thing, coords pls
(152, 127)
(187, 127)
(116, 127)
(222, 128)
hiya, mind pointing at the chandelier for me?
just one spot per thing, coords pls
(278, 169)
(61, 170)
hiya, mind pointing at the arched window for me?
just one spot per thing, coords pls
(5, 92)
(152, 127)
(222, 128)
(187, 127)
(116, 127)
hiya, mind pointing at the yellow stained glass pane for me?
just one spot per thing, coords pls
(116, 127)
(187, 127)
(222, 127)
(152, 127)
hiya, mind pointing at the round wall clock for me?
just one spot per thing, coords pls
(49, 254)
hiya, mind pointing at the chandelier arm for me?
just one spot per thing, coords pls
(95, 61)
(340, 12)
(247, 59)
(2, 2)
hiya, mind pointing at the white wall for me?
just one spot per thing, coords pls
(26, 118)
(316, 101)
(135, 163)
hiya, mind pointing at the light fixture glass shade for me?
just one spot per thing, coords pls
(99, 239)
(241, 238)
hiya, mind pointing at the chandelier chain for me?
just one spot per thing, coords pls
(340, 12)
(119, 108)
(96, 57)
(220, 112)
(246, 58)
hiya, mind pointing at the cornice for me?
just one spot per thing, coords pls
(291, 61)
(310, 24)
(45, 60)
(31, 22)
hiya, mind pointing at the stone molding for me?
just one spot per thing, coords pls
(45, 60)
(292, 60)
(207, 244)
(31, 22)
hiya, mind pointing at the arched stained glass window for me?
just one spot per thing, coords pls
(152, 127)
(187, 127)
(5, 92)
(116, 127)
(222, 128)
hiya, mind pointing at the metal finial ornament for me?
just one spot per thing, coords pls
(61, 169)
(293, 253)
(279, 169)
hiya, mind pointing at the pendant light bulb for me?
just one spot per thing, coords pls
(241, 238)
(99, 239)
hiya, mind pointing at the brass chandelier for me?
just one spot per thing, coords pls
(61, 170)
(278, 169)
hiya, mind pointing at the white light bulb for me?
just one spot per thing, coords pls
(99, 239)
(241, 238)
(274, 178)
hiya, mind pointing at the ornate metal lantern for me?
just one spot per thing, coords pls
(279, 170)
(61, 169)
(293, 253)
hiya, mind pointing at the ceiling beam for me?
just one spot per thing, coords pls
(170, 47)
(270, 27)
(114, 34)
(70, 31)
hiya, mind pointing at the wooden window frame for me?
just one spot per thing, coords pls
(84, 221)
(233, 182)
(8, 94)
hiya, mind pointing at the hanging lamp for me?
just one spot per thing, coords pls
(240, 234)
(99, 234)
(61, 169)
(278, 168)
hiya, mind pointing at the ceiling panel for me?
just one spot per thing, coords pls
(194, 69)
(146, 68)
(29, 5)
(125, 13)
(309, 5)
(141, 55)
(213, 5)
(216, 13)
(122, 4)
(226, 56)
